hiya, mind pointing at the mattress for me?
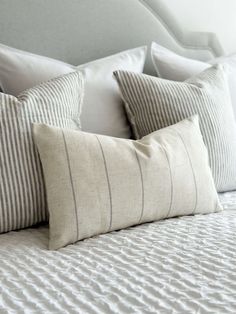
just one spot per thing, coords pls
(180, 265)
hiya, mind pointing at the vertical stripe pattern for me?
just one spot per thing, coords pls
(153, 103)
(142, 184)
(57, 102)
(120, 183)
(72, 185)
(108, 180)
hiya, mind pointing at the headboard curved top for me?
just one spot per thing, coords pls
(78, 31)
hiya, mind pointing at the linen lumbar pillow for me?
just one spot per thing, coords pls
(96, 184)
(57, 102)
(153, 103)
(103, 111)
(172, 66)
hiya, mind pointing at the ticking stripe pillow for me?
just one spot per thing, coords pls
(96, 184)
(57, 102)
(153, 103)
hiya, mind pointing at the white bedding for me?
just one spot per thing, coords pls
(181, 265)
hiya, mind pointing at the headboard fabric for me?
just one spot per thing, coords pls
(78, 31)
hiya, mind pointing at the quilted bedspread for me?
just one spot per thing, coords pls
(180, 265)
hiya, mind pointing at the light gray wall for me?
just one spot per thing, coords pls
(217, 16)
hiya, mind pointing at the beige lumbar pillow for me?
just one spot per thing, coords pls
(96, 184)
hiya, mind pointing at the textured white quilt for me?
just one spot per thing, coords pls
(181, 265)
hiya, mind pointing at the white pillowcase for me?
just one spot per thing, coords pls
(172, 66)
(21, 70)
(103, 110)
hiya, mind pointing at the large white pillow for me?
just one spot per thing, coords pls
(103, 110)
(21, 70)
(172, 66)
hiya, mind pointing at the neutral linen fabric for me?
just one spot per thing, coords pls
(179, 265)
(153, 103)
(103, 110)
(57, 102)
(172, 66)
(96, 184)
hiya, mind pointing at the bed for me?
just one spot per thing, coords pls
(179, 265)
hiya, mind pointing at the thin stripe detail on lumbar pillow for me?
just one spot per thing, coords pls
(153, 103)
(57, 102)
(108, 180)
(142, 184)
(71, 180)
(97, 184)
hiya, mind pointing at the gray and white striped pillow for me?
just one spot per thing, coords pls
(56, 102)
(153, 103)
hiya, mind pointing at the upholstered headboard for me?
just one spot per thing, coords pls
(77, 31)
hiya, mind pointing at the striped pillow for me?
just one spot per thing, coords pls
(96, 184)
(153, 103)
(57, 102)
